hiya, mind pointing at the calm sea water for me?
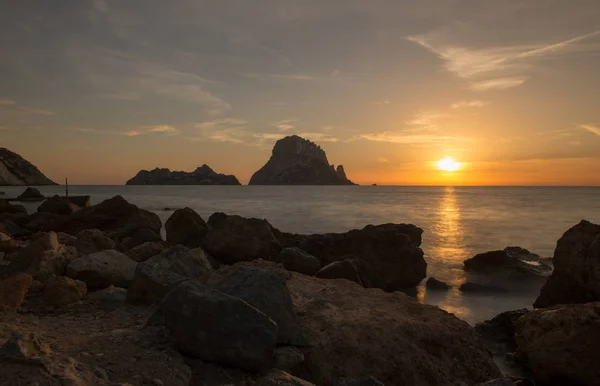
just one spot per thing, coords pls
(457, 222)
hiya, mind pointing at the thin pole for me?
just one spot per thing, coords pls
(67, 186)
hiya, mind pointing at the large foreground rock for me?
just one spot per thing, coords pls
(265, 289)
(186, 227)
(561, 343)
(102, 269)
(155, 277)
(390, 252)
(507, 264)
(295, 259)
(57, 205)
(213, 326)
(13, 291)
(576, 276)
(233, 239)
(92, 241)
(353, 332)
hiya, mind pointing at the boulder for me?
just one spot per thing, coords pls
(155, 277)
(66, 239)
(560, 344)
(60, 291)
(31, 194)
(358, 381)
(507, 265)
(349, 269)
(7, 207)
(481, 288)
(523, 254)
(45, 222)
(110, 298)
(576, 275)
(390, 251)
(281, 378)
(57, 205)
(186, 227)
(145, 251)
(436, 285)
(213, 326)
(13, 291)
(115, 216)
(141, 236)
(287, 357)
(264, 287)
(92, 241)
(352, 332)
(15, 230)
(102, 269)
(295, 259)
(232, 239)
(498, 382)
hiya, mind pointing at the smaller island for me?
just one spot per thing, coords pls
(203, 175)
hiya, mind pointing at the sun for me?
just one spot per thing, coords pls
(448, 164)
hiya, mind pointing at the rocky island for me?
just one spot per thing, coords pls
(16, 171)
(203, 175)
(298, 161)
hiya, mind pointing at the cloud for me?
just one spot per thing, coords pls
(471, 103)
(426, 121)
(284, 125)
(410, 139)
(500, 67)
(6, 102)
(498, 84)
(594, 129)
(382, 102)
(133, 132)
(383, 160)
(319, 137)
(220, 123)
(293, 77)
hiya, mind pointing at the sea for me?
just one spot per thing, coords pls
(458, 222)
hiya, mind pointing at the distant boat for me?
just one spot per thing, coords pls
(374, 185)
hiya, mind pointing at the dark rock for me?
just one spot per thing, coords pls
(352, 332)
(14, 230)
(31, 194)
(141, 236)
(57, 205)
(348, 269)
(203, 175)
(186, 227)
(114, 216)
(109, 299)
(145, 251)
(265, 289)
(92, 241)
(23, 348)
(213, 326)
(522, 254)
(287, 357)
(576, 276)
(102, 269)
(391, 252)
(297, 161)
(481, 288)
(281, 378)
(14, 170)
(45, 222)
(60, 291)
(295, 259)
(358, 381)
(508, 264)
(436, 285)
(155, 277)
(13, 291)
(498, 382)
(232, 239)
(7, 207)
(560, 344)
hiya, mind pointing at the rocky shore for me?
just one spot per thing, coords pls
(95, 296)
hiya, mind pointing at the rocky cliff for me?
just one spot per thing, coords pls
(297, 161)
(204, 175)
(16, 171)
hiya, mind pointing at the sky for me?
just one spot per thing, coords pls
(96, 90)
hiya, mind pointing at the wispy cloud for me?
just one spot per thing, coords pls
(383, 160)
(500, 67)
(6, 102)
(426, 120)
(411, 139)
(292, 77)
(284, 125)
(11, 106)
(471, 103)
(319, 137)
(131, 132)
(221, 123)
(594, 129)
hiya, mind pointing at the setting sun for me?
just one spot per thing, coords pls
(448, 164)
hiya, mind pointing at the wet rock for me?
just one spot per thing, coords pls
(102, 269)
(281, 378)
(576, 275)
(159, 274)
(295, 259)
(358, 381)
(213, 326)
(233, 239)
(186, 227)
(31, 194)
(265, 289)
(471, 287)
(57, 205)
(109, 299)
(287, 357)
(60, 291)
(436, 285)
(92, 241)
(523, 254)
(560, 344)
(352, 331)
(344, 269)
(13, 291)
(508, 264)
(145, 251)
